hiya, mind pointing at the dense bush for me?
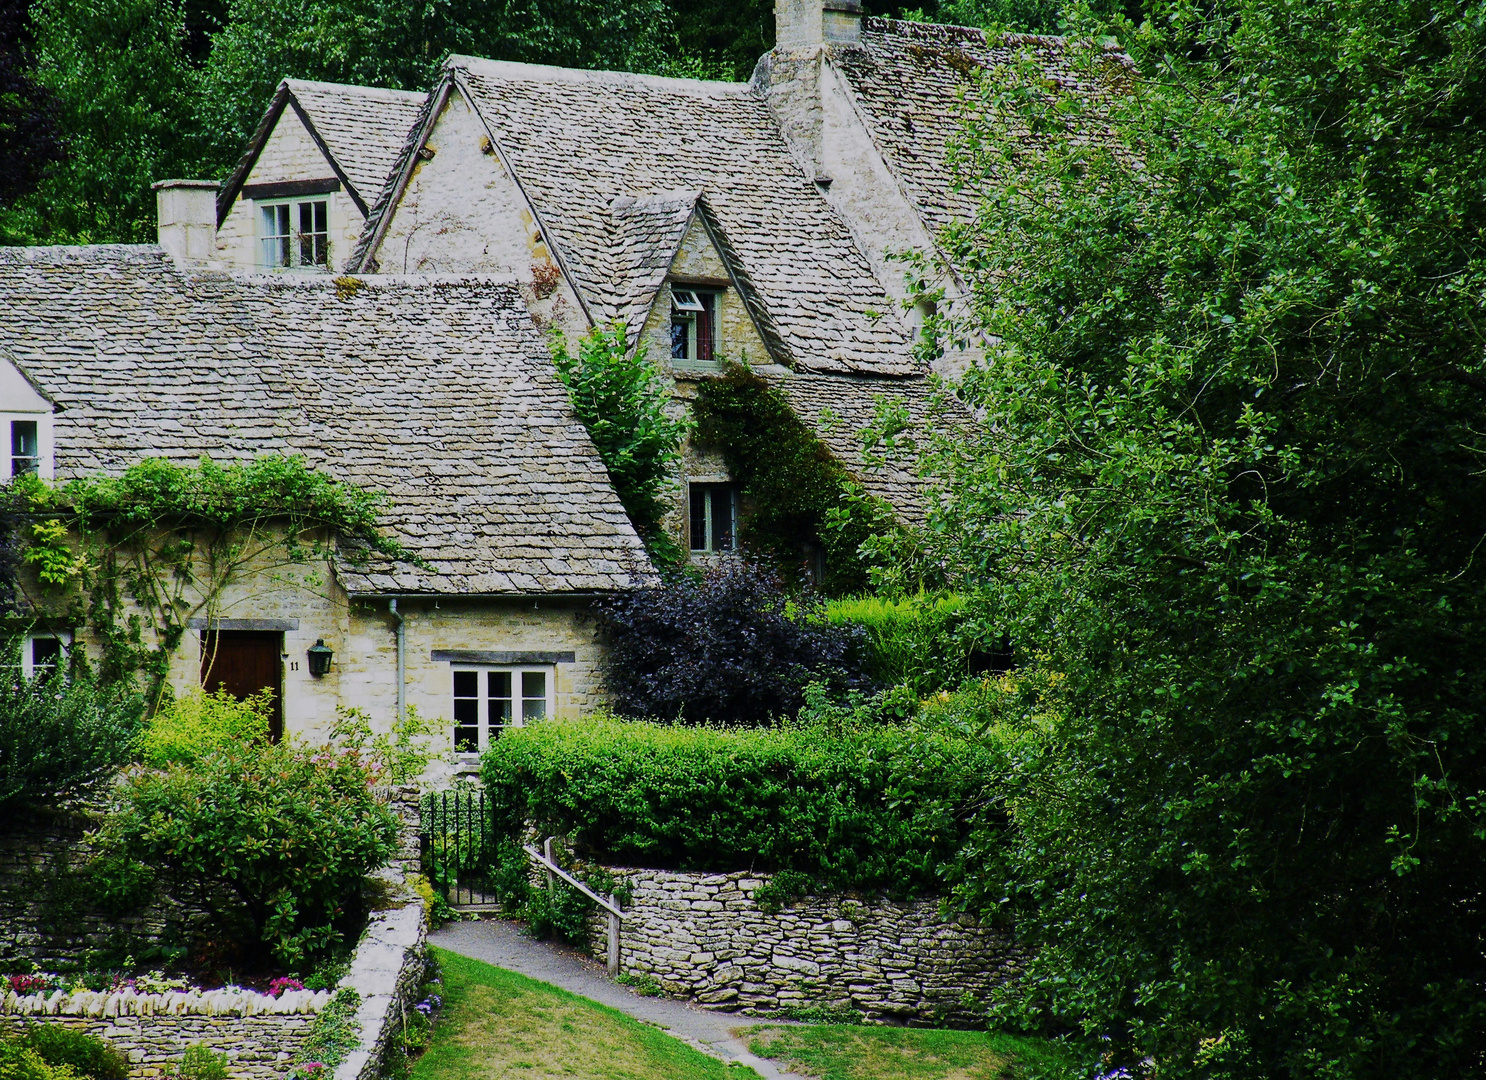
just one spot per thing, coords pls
(274, 840)
(924, 643)
(60, 735)
(725, 647)
(87, 1055)
(875, 806)
(200, 723)
(19, 1062)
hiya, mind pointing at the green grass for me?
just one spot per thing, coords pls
(833, 1052)
(496, 1025)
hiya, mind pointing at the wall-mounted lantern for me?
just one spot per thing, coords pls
(319, 655)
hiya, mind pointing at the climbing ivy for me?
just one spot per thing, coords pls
(138, 555)
(795, 493)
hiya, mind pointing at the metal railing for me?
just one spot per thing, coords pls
(457, 846)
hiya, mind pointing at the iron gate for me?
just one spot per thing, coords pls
(458, 847)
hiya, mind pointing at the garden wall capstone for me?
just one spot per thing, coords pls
(259, 1034)
(704, 938)
(386, 971)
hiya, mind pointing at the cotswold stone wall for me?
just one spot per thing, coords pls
(259, 1034)
(703, 937)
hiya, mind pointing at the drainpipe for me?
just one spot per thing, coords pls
(402, 662)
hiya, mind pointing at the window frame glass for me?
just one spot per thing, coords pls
(688, 305)
(703, 512)
(18, 456)
(283, 241)
(61, 639)
(522, 701)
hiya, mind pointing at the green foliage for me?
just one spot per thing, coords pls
(922, 643)
(558, 914)
(60, 735)
(646, 985)
(328, 973)
(87, 1055)
(870, 808)
(399, 755)
(335, 1033)
(170, 538)
(1229, 483)
(272, 840)
(779, 892)
(199, 1062)
(199, 724)
(624, 402)
(792, 487)
(19, 1062)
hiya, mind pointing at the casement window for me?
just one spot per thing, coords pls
(295, 233)
(693, 325)
(714, 517)
(487, 700)
(25, 447)
(42, 653)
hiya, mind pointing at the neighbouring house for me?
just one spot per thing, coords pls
(438, 392)
(299, 197)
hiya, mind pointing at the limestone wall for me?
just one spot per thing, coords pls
(705, 939)
(259, 1034)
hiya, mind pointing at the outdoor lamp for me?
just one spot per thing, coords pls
(319, 655)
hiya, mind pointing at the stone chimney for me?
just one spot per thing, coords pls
(805, 24)
(187, 212)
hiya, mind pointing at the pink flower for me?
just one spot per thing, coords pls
(279, 985)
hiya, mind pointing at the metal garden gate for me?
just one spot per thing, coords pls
(458, 846)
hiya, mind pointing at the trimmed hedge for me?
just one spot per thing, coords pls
(928, 642)
(859, 807)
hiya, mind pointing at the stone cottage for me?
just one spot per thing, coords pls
(438, 392)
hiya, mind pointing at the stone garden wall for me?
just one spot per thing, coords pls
(259, 1034)
(703, 937)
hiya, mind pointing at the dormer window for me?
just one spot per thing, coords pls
(693, 325)
(25, 447)
(295, 233)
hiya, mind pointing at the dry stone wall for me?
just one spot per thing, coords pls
(704, 938)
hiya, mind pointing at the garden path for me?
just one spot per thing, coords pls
(502, 943)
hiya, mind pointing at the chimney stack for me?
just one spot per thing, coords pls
(806, 24)
(187, 212)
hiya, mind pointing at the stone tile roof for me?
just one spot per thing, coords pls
(838, 407)
(436, 391)
(909, 81)
(578, 140)
(646, 233)
(365, 127)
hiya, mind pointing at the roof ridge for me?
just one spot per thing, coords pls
(360, 88)
(515, 69)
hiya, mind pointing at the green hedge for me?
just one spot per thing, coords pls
(923, 642)
(869, 807)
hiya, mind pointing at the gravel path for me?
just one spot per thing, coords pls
(501, 943)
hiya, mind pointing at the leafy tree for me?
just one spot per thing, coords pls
(62, 734)
(728, 647)
(29, 138)
(1229, 485)
(625, 404)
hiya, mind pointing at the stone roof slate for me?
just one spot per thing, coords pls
(438, 392)
(909, 81)
(578, 140)
(365, 127)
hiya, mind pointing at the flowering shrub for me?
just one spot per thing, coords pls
(201, 722)
(284, 982)
(29, 984)
(271, 840)
(310, 1070)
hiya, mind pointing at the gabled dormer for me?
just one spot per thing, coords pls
(25, 423)
(299, 196)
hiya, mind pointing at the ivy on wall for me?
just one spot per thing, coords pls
(137, 556)
(795, 493)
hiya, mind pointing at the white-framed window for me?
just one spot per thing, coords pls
(25, 447)
(295, 232)
(693, 324)
(487, 700)
(714, 517)
(43, 652)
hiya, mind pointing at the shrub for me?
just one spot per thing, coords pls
(201, 1063)
(273, 840)
(19, 1062)
(85, 1054)
(201, 723)
(862, 807)
(725, 647)
(925, 643)
(60, 735)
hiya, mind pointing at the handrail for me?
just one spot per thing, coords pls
(547, 863)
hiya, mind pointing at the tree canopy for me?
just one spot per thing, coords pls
(1229, 488)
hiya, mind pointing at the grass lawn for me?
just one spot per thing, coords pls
(497, 1025)
(834, 1052)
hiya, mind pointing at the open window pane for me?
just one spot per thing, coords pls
(698, 517)
(46, 656)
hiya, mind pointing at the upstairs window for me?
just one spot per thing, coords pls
(295, 234)
(693, 325)
(42, 654)
(25, 447)
(714, 517)
(489, 700)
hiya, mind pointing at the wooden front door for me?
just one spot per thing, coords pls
(243, 662)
